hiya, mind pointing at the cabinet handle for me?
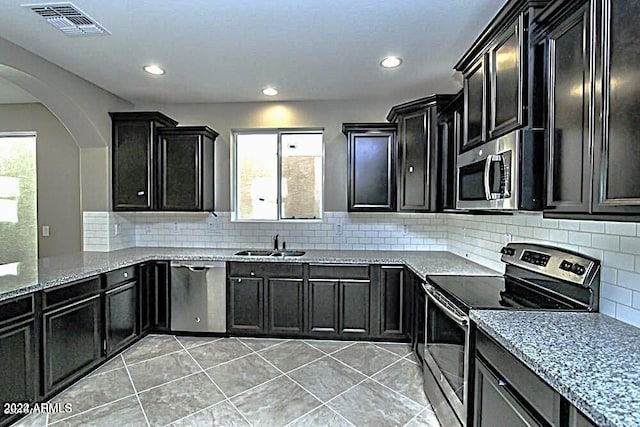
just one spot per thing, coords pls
(141, 193)
(125, 275)
(410, 169)
(501, 383)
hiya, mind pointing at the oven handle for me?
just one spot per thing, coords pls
(431, 293)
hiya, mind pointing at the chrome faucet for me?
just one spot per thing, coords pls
(275, 243)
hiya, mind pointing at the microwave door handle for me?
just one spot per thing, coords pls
(487, 171)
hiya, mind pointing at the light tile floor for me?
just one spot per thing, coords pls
(192, 381)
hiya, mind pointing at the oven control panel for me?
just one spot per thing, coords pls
(536, 258)
(554, 262)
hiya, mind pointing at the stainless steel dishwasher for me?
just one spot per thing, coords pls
(198, 296)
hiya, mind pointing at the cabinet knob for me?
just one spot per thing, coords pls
(410, 169)
(501, 383)
(252, 274)
(197, 320)
(125, 275)
(141, 193)
(239, 280)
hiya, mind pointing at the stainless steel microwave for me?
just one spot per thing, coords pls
(506, 173)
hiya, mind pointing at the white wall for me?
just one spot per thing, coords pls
(58, 176)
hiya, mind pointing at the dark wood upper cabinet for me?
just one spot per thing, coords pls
(568, 146)
(419, 153)
(134, 158)
(372, 166)
(475, 98)
(508, 85)
(186, 168)
(592, 56)
(450, 136)
(617, 157)
(499, 79)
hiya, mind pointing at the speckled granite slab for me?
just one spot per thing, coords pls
(31, 275)
(591, 359)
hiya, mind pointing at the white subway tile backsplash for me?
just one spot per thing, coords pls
(628, 314)
(475, 237)
(617, 293)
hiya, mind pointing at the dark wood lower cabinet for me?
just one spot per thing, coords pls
(285, 306)
(72, 341)
(391, 301)
(323, 312)
(354, 307)
(245, 312)
(121, 316)
(19, 379)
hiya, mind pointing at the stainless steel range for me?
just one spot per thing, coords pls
(536, 278)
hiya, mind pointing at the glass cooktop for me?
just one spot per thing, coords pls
(503, 292)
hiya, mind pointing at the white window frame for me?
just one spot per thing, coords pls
(234, 170)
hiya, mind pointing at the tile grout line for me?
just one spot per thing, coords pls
(298, 384)
(376, 373)
(88, 410)
(226, 398)
(135, 390)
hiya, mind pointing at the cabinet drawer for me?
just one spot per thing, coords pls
(261, 269)
(69, 292)
(339, 271)
(15, 308)
(120, 275)
(533, 389)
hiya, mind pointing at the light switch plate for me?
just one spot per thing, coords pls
(45, 231)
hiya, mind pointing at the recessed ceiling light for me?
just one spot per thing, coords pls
(154, 69)
(391, 62)
(270, 91)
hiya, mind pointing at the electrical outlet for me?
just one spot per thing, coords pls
(147, 229)
(508, 237)
(116, 229)
(338, 229)
(176, 228)
(45, 231)
(405, 229)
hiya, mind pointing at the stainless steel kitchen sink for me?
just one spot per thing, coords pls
(251, 252)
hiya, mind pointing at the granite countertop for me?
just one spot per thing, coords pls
(36, 274)
(591, 359)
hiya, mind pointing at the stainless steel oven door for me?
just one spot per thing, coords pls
(487, 175)
(446, 350)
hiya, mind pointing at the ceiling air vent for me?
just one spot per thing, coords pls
(68, 18)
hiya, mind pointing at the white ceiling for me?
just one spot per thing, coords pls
(228, 50)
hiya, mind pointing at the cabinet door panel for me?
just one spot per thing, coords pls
(474, 100)
(495, 405)
(391, 314)
(245, 304)
(181, 186)
(323, 306)
(568, 172)
(414, 166)
(354, 306)
(121, 316)
(507, 89)
(285, 305)
(619, 166)
(132, 162)
(72, 341)
(19, 371)
(372, 174)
